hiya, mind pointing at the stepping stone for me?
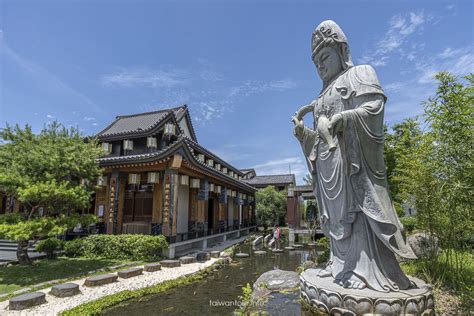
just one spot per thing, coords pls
(65, 290)
(170, 263)
(215, 254)
(312, 244)
(187, 259)
(27, 300)
(289, 248)
(203, 256)
(277, 250)
(260, 252)
(101, 279)
(297, 246)
(129, 273)
(241, 255)
(152, 267)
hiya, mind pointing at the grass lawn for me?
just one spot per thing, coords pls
(16, 277)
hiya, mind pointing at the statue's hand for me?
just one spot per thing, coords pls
(336, 123)
(299, 127)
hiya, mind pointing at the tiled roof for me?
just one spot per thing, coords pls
(182, 140)
(139, 123)
(272, 179)
(245, 171)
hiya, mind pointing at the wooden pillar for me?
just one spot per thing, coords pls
(121, 202)
(157, 216)
(113, 209)
(170, 200)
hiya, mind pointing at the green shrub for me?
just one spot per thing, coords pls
(409, 223)
(323, 245)
(48, 246)
(74, 248)
(135, 247)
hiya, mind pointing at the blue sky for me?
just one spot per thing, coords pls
(243, 67)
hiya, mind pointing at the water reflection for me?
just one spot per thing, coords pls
(217, 294)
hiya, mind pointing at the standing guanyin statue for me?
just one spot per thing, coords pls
(344, 152)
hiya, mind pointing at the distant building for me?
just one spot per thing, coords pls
(280, 181)
(159, 180)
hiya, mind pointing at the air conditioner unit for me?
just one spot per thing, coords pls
(169, 129)
(195, 183)
(210, 163)
(102, 181)
(184, 179)
(151, 142)
(107, 148)
(128, 144)
(133, 178)
(153, 177)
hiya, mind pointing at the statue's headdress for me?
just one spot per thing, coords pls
(328, 33)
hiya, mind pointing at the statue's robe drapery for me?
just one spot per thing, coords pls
(350, 184)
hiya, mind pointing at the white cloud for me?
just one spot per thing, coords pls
(144, 77)
(50, 116)
(408, 95)
(208, 93)
(89, 118)
(458, 61)
(401, 27)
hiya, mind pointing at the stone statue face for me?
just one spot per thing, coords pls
(328, 63)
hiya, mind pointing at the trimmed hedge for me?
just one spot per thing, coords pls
(134, 247)
(48, 246)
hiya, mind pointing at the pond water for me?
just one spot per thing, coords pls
(218, 293)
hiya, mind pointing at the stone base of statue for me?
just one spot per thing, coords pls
(329, 297)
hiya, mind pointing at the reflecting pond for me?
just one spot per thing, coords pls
(218, 293)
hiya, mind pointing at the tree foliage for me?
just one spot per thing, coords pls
(55, 170)
(434, 169)
(271, 206)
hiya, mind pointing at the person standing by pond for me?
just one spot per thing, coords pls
(276, 236)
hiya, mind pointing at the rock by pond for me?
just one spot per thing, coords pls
(152, 267)
(260, 252)
(241, 255)
(100, 279)
(275, 281)
(170, 263)
(27, 300)
(203, 256)
(187, 259)
(129, 273)
(257, 241)
(65, 290)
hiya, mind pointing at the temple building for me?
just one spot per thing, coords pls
(279, 181)
(158, 180)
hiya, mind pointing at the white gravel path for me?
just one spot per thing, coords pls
(56, 305)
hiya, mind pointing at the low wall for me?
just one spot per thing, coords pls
(205, 242)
